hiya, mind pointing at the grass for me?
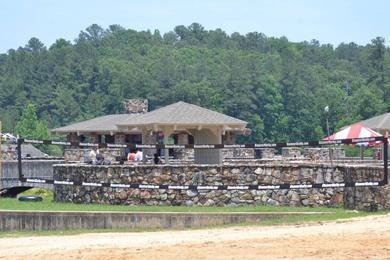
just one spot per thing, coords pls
(49, 205)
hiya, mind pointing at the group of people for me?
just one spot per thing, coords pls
(137, 156)
(96, 158)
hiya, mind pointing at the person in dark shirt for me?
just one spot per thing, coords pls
(156, 159)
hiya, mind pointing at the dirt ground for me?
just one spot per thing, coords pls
(359, 238)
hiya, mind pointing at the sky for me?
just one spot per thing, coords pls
(329, 21)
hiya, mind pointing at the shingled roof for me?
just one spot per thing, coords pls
(378, 123)
(103, 124)
(182, 113)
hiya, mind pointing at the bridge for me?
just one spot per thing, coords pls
(10, 185)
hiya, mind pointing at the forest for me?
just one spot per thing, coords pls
(279, 87)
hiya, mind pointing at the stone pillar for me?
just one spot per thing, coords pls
(166, 151)
(119, 138)
(148, 138)
(136, 106)
(267, 153)
(73, 137)
(291, 152)
(182, 139)
(208, 156)
(229, 138)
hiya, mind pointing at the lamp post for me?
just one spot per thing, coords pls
(326, 109)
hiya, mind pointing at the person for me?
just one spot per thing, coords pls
(156, 159)
(131, 156)
(93, 154)
(138, 156)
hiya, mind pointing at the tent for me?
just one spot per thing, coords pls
(353, 131)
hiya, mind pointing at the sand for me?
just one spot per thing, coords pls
(358, 238)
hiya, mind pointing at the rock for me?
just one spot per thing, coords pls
(213, 171)
(295, 197)
(123, 195)
(246, 196)
(272, 202)
(336, 199)
(319, 177)
(134, 193)
(251, 177)
(305, 202)
(87, 198)
(259, 171)
(145, 194)
(164, 196)
(189, 203)
(210, 202)
(235, 171)
(328, 175)
(210, 195)
(191, 193)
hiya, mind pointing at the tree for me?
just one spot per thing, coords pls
(29, 126)
(34, 44)
(279, 87)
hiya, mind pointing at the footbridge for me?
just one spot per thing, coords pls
(10, 184)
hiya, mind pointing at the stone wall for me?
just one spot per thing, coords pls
(78, 155)
(291, 152)
(239, 153)
(210, 175)
(324, 153)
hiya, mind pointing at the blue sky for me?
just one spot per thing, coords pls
(329, 21)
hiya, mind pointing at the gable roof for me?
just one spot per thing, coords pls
(182, 113)
(102, 124)
(381, 122)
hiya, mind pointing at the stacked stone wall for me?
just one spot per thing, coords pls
(213, 175)
(78, 155)
(135, 106)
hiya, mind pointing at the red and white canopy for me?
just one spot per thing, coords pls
(353, 131)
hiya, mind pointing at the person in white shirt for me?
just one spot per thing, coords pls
(138, 156)
(92, 155)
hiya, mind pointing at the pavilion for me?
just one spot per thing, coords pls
(379, 123)
(181, 119)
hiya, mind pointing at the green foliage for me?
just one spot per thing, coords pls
(279, 87)
(29, 126)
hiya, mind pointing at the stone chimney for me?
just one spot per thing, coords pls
(136, 106)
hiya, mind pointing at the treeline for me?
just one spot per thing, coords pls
(279, 87)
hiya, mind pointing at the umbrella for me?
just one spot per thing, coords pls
(353, 131)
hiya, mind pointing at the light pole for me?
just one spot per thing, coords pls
(326, 109)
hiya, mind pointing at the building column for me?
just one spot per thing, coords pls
(119, 138)
(208, 136)
(73, 138)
